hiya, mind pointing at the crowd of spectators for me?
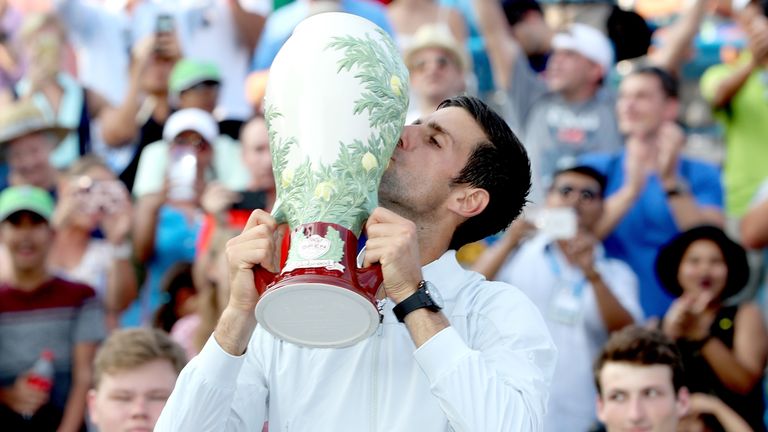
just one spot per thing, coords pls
(133, 146)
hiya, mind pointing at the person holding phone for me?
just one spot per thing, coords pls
(582, 294)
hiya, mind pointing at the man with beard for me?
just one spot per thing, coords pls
(453, 351)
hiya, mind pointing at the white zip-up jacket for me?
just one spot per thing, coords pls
(489, 371)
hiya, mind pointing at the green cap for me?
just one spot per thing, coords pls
(188, 73)
(26, 198)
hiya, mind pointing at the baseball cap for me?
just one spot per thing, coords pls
(187, 73)
(435, 36)
(26, 198)
(191, 119)
(587, 41)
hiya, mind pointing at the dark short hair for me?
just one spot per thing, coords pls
(584, 170)
(668, 82)
(641, 346)
(515, 10)
(500, 165)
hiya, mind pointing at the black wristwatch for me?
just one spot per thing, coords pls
(424, 297)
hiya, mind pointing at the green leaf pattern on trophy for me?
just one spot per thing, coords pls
(346, 192)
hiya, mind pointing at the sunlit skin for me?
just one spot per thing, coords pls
(132, 400)
(639, 398)
(642, 106)
(703, 269)
(579, 187)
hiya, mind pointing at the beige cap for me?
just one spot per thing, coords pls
(436, 36)
(24, 118)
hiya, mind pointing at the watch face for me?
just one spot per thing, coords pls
(429, 287)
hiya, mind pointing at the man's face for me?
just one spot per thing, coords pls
(27, 237)
(582, 193)
(431, 152)
(28, 158)
(203, 96)
(435, 74)
(642, 105)
(637, 398)
(256, 155)
(132, 400)
(568, 71)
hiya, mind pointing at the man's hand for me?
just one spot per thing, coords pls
(670, 142)
(256, 246)
(216, 198)
(24, 398)
(580, 251)
(686, 317)
(638, 164)
(393, 243)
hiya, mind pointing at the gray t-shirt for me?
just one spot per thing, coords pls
(554, 131)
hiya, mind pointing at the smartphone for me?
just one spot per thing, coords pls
(164, 23)
(557, 223)
(182, 173)
(251, 201)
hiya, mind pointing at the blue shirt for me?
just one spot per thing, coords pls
(280, 25)
(649, 224)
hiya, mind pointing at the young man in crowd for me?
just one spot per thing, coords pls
(133, 375)
(653, 191)
(41, 313)
(582, 294)
(639, 378)
(484, 363)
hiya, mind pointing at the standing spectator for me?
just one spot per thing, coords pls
(91, 198)
(527, 25)
(408, 16)
(280, 23)
(28, 137)
(168, 213)
(10, 67)
(437, 66)
(40, 312)
(653, 191)
(737, 91)
(724, 347)
(582, 294)
(640, 382)
(133, 375)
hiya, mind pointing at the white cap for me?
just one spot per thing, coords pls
(191, 119)
(587, 41)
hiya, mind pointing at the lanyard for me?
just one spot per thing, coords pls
(578, 288)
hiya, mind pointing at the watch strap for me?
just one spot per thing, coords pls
(418, 300)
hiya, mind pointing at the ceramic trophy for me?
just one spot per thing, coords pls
(335, 106)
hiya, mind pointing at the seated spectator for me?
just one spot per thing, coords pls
(196, 84)
(281, 22)
(724, 347)
(437, 66)
(180, 296)
(172, 175)
(27, 138)
(640, 382)
(653, 191)
(42, 39)
(409, 16)
(133, 375)
(40, 312)
(582, 294)
(91, 198)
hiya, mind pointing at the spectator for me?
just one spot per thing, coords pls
(724, 347)
(582, 295)
(28, 137)
(139, 121)
(437, 66)
(653, 191)
(91, 198)
(134, 373)
(736, 91)
(180, 295)
(640, 382)
(40, 312)
(10, 67)
(707, 413)
(408, 16)
(173, 174)
(527, 25)
(280, 23)
(42, 41)
(754, 224)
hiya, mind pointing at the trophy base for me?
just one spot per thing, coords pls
(316, 315)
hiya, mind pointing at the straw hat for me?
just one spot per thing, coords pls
(24, 118)
(436, 36)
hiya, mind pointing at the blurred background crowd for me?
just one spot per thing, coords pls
(133, 146)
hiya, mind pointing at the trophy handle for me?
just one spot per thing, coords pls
(370, 278)
(262, 278)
